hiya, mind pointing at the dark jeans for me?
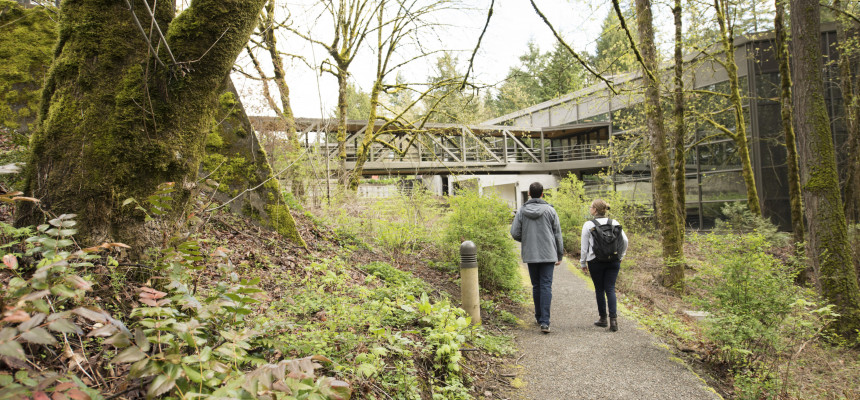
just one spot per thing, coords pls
(541, 277)
(604, 275)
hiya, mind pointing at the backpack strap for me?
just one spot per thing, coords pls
(597, 224)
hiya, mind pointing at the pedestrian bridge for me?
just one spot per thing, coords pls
(455, 148)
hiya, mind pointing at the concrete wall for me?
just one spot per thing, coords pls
(510, 187)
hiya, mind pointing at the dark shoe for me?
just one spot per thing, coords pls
(601, 322)
(613, 324)
(544, 328)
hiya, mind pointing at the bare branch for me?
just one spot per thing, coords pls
(633, 45)
(572, 52)
(478, 45)
(844, 13)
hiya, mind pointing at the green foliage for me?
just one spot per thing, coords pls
(446, 101)
(484, 220)
(634, 216)
(357, 101)
(739, 220)
(26, 41)
(570, 203)
(187, 342)
(540, 77)
(613, 54)
(376, 333)
(757, 318)
(404, 223)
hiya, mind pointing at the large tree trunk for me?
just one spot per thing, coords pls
(847, 33)
(680, 167)
(790, 140)
(828, 237)
(117, 120)
(667, 216)
(246, 182)
(740, 135)
(286, 111)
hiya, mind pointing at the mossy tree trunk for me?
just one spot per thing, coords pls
(848, 36)
(342, 106)
(117, 120)
(27, 36)
(680, 165)
(267, 32)
(794, 193)
(667, 215)
(721, 8)
(237, 162)
(828, 237)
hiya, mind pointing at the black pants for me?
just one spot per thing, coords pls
(604, 275)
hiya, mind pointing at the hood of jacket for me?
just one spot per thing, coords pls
(535, 208)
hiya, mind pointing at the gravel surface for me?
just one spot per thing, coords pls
(578, 360)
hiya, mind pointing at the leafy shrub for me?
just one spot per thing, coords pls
(634, 216)
(739, 219)
(484, 220)
(378, 335)
(404, 223)
(570, 203)
(757, 317)
(178, 341)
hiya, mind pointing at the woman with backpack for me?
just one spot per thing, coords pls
(603, 246)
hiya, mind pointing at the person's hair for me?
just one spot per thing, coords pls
(535, 190)
(600, 207)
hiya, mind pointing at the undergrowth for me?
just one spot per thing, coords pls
(198, 324)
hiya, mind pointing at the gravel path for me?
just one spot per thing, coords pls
(578, 360)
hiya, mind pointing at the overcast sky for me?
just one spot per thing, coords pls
(513, 24)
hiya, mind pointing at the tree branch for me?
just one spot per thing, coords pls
(478, 45)
(572, 52)
(633, 45)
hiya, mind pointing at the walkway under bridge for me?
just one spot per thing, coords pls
(456, 148)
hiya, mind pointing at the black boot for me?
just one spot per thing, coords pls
(601, 322)
(613, 324)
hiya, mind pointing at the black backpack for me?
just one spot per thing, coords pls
(607, 240)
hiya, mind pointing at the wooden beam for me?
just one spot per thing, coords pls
(522, 145)
(481, 142)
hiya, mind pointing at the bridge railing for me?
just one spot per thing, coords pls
(489, 154)
(575, 152)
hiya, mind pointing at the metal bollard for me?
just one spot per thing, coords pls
(469, 295)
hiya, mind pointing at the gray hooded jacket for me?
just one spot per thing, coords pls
(536, 226)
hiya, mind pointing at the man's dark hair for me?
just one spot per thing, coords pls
(535, 190)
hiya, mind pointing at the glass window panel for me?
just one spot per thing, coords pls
(779, 212)
(691, 190)
(692, 218)
(639, 191)
(768, 87)
(723, 186)
(774, 183)
(718, 156)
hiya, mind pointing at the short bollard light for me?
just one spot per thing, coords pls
(469, 281)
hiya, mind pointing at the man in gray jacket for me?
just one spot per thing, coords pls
(536, 226)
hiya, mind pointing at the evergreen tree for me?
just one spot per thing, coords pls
(613, 54)
(448, 103)
(560, 74)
